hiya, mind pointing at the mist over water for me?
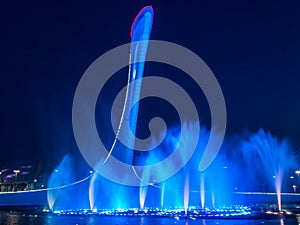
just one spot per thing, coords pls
(64, 192)
(256, 162)
(269, 157)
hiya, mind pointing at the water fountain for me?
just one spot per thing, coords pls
(274, 157)
(202, 194)
(188, 194)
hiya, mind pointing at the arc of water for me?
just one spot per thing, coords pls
(51, 192)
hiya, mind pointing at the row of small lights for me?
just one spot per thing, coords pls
(223, 212)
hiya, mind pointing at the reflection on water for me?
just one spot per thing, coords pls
(298, 218)
(24, 218)
(12, 219)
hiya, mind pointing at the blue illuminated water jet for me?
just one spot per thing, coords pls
(184, 193)
(274, 155)
(65, 189)
(140, 34)
(189, 193)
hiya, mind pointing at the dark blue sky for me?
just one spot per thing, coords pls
(252, 47)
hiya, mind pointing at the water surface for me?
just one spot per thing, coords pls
(36, 218)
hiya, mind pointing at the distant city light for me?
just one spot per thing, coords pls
(16, 172)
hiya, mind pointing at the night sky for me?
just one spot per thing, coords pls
(253, 48)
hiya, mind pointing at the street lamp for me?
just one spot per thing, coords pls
(16, 172)
(294, 186)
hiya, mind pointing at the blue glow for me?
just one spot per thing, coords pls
(273, 154)
(140, 34)
(65, 190)
(235, 211)
(206, 192)
(140, 31)
(189, 193)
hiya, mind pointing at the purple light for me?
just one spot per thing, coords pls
(143, 10)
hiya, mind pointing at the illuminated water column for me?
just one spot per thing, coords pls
(202, 191)
(162, 196)
(186, 195)
(140, 34)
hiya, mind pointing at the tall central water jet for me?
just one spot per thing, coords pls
(140, 34)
